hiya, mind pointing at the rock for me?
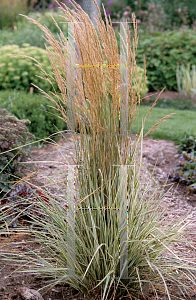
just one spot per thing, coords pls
(29, 294)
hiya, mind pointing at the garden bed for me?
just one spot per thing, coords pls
(170, 95)
(158, 155)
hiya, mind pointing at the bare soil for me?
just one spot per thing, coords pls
(158, 155)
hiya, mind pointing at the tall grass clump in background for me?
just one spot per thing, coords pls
(9, 10)
(186, 80)
(100, 183)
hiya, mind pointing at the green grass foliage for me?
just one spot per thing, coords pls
(163, 51)
(19, 73)
(33, 107)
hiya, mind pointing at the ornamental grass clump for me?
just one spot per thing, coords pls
(186, 80)
(113, 208)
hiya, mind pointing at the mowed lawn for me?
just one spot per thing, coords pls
(173, 128)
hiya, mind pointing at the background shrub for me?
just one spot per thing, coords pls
(9, 10)
(13, 133)
(33, 107)
(26, 32)
(185, 171)
(41, 5)
(158, 15)
(163, 51)
(114, 9)
(181, 12)
(45, 19)
(164, 14)
(19, 73)
(27, 35)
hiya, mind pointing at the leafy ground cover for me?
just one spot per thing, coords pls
(14, 134)
(43, 119)
(185, 171)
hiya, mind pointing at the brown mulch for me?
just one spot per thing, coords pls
(158, 155)
(170, 95)
(166, 95)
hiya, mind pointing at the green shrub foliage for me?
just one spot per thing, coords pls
(185, 171)
(155, 15)
(179, 12)
(34, 107)
(13, 133)
(187, 144)
(18, 72)
(41, 5)
(163, 51)
(29, 33)
(44, 18)
(31, 36)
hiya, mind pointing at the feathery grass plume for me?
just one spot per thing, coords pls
(97, 87)
(96, 233)
(102, 187)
